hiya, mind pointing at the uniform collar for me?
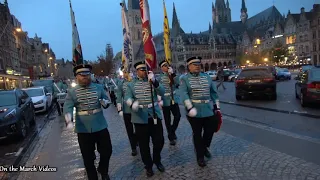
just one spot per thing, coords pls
(195, 74)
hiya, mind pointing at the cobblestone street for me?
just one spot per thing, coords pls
(233, 157)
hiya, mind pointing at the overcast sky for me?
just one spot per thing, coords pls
(99, 21)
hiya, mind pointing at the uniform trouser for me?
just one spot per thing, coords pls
(202, 140)
(113, 97)
(144, 132)
(87, 143)
(129, 127)
(171, 127)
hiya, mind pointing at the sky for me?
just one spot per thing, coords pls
(99, 21)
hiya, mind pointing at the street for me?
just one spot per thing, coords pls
(252, 144)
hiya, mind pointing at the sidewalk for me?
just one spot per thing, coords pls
(233, 158)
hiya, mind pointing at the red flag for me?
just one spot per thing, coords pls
(148, 43)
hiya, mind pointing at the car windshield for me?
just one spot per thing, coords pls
(315, 74)
(8, 99)
(254, 73)
(34, 92)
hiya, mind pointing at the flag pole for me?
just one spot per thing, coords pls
(149, 48)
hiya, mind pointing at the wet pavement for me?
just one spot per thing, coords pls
(244, 149)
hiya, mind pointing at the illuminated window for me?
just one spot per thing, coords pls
(258, 41)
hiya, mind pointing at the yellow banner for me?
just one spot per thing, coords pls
(166, 35)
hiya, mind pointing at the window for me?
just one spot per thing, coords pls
(307, 49)
(314, 36)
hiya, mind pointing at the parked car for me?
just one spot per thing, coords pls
(256, 81)
(307, 87)
(16, 113)
(212, 74)
(41, 98)
(283, 74)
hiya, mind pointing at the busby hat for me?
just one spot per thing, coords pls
(84, 69)
(162, 63)
(139, 65)
(195, 59)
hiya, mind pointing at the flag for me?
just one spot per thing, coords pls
(166, 35)
(126, 49)
(148, 43)
(77, 57)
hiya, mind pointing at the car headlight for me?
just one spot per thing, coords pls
(73, 84)
(11, 114)
(39, 102)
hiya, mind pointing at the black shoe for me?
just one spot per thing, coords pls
(105, 177)
(201, 163)
(172, 142)
(134, 152)
(149, 172)
(207, 153)
(160, 167)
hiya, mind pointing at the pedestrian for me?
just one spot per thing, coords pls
(220, 75)
(57, 88)
(90, 124)
(200, 98)
(169, 101)
(112, 87)
(138, 97)
(125, 112)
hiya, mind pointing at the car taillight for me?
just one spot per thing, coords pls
(311, 86)
(268, 79)
(240, 81)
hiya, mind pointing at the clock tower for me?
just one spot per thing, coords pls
(244, 14)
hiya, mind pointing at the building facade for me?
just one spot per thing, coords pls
(64, 69)
(315, 35)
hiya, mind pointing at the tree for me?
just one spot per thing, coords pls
(103, 66)
(279, 52)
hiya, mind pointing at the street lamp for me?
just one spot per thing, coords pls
(265, 59)
(248, 61)
(50, 58)
(18, 29)
(46, 50)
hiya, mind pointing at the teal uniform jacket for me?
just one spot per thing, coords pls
(139, 90)
(120, 93)
(165, 81)
(84, 99)
(199, 87)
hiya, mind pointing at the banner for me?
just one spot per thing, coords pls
(126, 49)
(166, 36)
(148, 43)
(77, 57)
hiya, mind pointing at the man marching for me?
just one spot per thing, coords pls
(200, 98)
(90, 124)
(125, 112)
(169, 101)
(138, 97)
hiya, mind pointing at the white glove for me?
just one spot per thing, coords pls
(161, 103)
(68, 119)
(170, 70)
(119, 106)
(104, 102)
(188, 104)
(135, 106)
(192, 112)
(151, 76)
(121, 113)
(129, 102)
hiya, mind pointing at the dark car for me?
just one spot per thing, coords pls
(307, 87)
(256, 81)
(16, 113)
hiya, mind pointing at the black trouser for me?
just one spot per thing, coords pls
(202, 141)
(144, 132)
(87, 143)
(221, 79)
(171, 127)
(129, 127)
(113, 98)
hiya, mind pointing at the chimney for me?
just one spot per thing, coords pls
(302, 10)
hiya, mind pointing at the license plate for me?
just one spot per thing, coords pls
(254, 81)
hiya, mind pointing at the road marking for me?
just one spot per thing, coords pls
(271, 129)
(19, 152)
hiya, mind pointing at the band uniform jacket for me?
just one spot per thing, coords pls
(165, 81)
(200, 91)
(86, 99)
(120, 93)
(139, 90)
